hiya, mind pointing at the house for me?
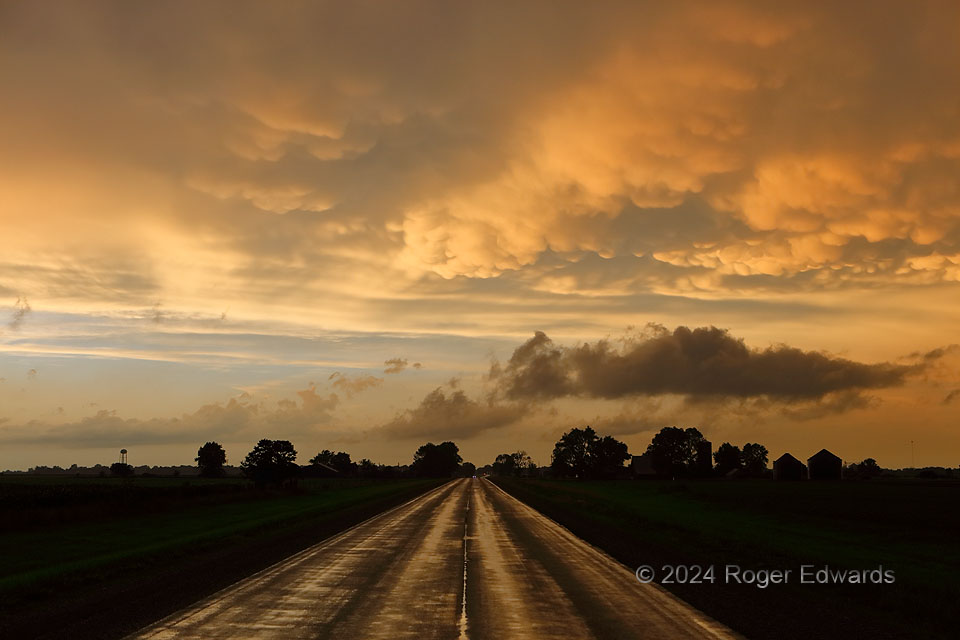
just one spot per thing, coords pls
(823, 465)
(786, 467)
(641, 466)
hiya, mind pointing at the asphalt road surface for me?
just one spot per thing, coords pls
(464, 561)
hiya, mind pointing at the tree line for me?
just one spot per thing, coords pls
(274, 462)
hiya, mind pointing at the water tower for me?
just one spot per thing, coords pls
(123, 456)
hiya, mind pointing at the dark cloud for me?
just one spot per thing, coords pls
(240, 417)
(20, 310)
(950, 397)
(355, 384)
(940, 352)
(396, 365)
(451, 416)
(700, 363)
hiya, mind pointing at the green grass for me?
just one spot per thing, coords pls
(909, 527)
(36, 554)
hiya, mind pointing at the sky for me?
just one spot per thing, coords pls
(363, 226)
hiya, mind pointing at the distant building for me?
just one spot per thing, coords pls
(641, 466)
(823, 465)
(320, 470)
(786, 467)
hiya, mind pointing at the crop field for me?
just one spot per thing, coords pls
(907, 527)
(62, 538)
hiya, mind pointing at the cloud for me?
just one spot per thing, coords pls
(396, 365)
(353, 385)
(450, 416)
(950, 397)
(20, 310)
(242, 417)
(702, 363)
(705, 145)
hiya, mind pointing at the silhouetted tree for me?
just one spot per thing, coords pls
(754, 458)
(581, 453)
(468, 470)
(271, 462)
(436, 460)
(513, 464)
(121, 470)
(503, 465)
(571, 453)
(368, 469)
(728, 458)
(607, 457)
(210, 459)
(339, 461)
(869, 467)
(673, 451)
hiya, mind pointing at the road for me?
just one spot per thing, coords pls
(464, 561)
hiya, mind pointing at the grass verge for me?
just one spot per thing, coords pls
(909, 528)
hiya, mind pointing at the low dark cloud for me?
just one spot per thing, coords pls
(950, 397)
(702, 363)
(243, 417)
(352, 385)
(396, 365)
(20, 311)
(451, 416)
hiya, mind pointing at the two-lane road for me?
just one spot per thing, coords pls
(465, 560)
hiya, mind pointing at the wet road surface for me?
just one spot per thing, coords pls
(405, 572)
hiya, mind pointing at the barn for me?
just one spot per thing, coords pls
(786, 467)
(824, 465)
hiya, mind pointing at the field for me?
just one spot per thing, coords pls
(908, 527)
(69, 546)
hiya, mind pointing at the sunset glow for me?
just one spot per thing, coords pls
(367, 225)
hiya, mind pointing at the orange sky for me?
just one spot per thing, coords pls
(220, 221)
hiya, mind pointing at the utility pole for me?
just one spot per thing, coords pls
(912, 465)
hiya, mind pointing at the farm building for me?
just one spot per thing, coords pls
(641, 465)
(823, 465)
(786, 467)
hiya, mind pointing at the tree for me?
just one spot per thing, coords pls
(368, 469)
(210, 459)
(271, 462)
(607, 457)
(869, 467)
(571, 453)
(503, 465)
(754, 458)
(581, 453)
(728, 458)
(436, 460)
(121, 470)
(512, 464)
(339, 461)
(673, 451)
(468, 470)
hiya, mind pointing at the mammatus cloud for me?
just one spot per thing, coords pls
(355, 384)
(703, 363)
(20, 310)
(711, 147)
(452, 415)
(396, 365)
